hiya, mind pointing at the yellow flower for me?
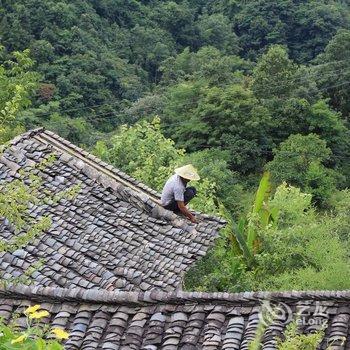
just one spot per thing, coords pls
(39, 314)
(20, 339)
(31, 309)
(60, 333)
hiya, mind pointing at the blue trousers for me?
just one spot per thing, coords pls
(189, 194)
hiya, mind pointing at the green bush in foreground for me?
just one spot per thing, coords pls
(293, 340)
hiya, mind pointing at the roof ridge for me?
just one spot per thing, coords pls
(156, 296)
(48, 135)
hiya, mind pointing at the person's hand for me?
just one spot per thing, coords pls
(193, 220)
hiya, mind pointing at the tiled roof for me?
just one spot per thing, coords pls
(112, 235)
(120, 259)
(170, 321)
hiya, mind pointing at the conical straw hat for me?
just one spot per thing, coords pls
(188, 172)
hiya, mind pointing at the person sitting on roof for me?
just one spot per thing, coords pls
(176, 194)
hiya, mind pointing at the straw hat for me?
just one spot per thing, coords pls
(188, 172)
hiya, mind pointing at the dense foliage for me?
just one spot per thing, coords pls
(98, 58)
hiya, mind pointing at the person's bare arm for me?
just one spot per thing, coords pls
(186, 212)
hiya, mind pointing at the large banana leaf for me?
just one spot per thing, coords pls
(238, 231)
(263, 192)
(261, 199)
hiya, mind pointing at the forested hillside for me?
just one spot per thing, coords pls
(237, 88)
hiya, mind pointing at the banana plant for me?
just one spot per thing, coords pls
(245, 232)
(260, 215)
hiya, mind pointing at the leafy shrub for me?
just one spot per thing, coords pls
(296, 341)
(291, 204)
(220, 270)
(292, 338)
(303, 251)
(340, 202)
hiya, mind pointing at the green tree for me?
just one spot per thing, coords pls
(299, 116)
(314, 24)
(208, 64)
(177, 19)
(216, 30)
(299, 161)
(143, 152)
(42, 51)
(17, 85)
(78, 130)
(75, 48)
(274, 75)
(334, 72)
(179, 119)
(230, 118)
(119, 11)
(151, 46)
(228, 7)
(262, 23)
